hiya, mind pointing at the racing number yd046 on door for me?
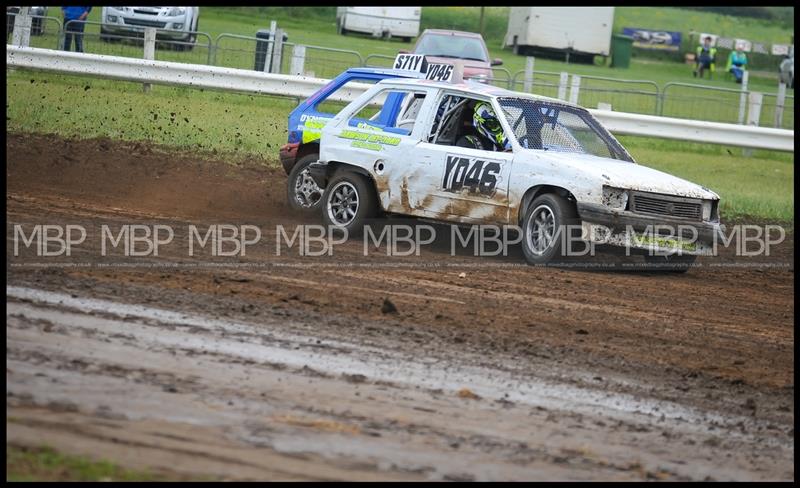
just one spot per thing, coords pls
(477, 175)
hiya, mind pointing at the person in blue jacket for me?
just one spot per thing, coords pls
(74, 29)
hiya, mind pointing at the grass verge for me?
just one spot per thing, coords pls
(47, 464)
(239, 126)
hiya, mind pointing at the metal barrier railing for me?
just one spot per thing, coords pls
(235, 51)
(45, 30)
(695, 102)
(379, 61)
(641, 98)
(774, 116)
(545, 83)
(504, 80)
(171, 45)
(325, 62)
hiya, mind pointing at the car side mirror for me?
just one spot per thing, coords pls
(497, 62)
(403, 51)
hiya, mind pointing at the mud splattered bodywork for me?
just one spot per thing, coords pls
(418, 169)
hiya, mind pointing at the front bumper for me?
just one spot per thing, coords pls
(602, 224)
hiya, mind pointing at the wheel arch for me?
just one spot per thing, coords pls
(337, 166)
(535, 191)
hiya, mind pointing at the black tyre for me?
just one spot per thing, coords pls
(673, 263)
(545, 224)
(302, 192)
(348, 202)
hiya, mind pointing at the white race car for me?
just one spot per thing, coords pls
(400, 148)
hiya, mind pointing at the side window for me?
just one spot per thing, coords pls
(453, 124)
(390, 110)
(330, 106)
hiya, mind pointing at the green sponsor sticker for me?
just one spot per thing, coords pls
(372, 138)
(367, 145)
(665, 242)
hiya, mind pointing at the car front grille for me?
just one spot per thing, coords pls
(145, 23)
(651, 203)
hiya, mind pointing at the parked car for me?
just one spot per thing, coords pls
(786, 72)
(661, 38)
(38, 23)
(386, 22)
(563, 168)
(173, 23)
(443, 46)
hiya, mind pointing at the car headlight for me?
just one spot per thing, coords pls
(111, 18)
(176, 11)
(480, 78)
(177, 26)
(616, 198)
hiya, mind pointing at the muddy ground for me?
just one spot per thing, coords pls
(297, 367)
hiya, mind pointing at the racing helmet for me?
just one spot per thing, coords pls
(486, 123)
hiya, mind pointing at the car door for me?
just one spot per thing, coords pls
(473, 183)
(382, 137)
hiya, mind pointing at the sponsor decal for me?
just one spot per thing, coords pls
(654, 39)
(476, 175)
(372, 138)
(367, 145)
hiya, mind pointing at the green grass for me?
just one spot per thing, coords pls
(237, 126)
(46, 464)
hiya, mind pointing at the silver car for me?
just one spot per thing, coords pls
(174, 23)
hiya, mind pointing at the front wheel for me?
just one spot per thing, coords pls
(302, 191)
(549, 225)
(348, 202)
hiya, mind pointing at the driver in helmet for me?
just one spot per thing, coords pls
(489, 134)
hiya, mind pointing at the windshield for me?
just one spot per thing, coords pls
(551, 126)
(447, 46)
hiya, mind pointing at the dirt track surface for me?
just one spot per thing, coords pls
(287, 368)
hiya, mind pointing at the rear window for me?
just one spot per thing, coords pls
(331, 106)
(447, 46)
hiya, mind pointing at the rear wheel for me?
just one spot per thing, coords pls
(348, 202)
(546, 221)
(302, 192)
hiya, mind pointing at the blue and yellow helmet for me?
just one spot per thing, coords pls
(486, 123)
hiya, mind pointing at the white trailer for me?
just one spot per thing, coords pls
(584, 31)
(386, 22)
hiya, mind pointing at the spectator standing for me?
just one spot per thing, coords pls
(706, 58)
(74, 29)
(737, 63)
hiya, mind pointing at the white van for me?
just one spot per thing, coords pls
(582, 31)
(385, 22)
